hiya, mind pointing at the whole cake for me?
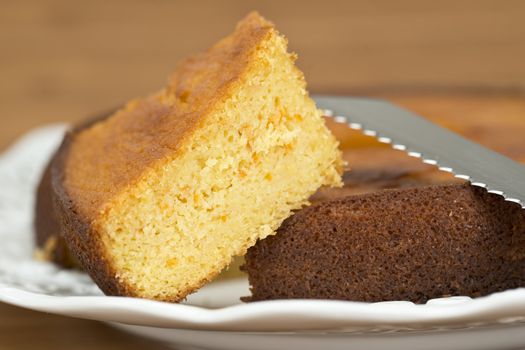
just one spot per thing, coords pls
(404, 244)
(156, 200)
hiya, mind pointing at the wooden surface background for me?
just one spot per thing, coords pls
(63, 60)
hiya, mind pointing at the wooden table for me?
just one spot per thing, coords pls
(62, 60)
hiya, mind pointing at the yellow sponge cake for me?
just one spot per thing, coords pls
(157, 199)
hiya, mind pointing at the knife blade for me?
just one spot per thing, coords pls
(406, 131)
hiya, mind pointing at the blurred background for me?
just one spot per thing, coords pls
(66, 60)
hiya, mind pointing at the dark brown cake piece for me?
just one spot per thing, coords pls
(408, 244)
(50, 245)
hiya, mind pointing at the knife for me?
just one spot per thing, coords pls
(406, 131)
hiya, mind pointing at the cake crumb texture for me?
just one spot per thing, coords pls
(158, 198)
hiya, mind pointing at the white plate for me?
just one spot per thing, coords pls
(214, 317)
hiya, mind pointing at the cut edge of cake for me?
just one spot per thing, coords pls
(255, 153)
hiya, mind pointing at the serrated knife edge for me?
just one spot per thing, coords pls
(406, 131)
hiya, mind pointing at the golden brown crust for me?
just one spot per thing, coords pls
(148, 129)
(76, 230)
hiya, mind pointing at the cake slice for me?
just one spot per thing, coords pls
(402, 244)
(157, 199)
